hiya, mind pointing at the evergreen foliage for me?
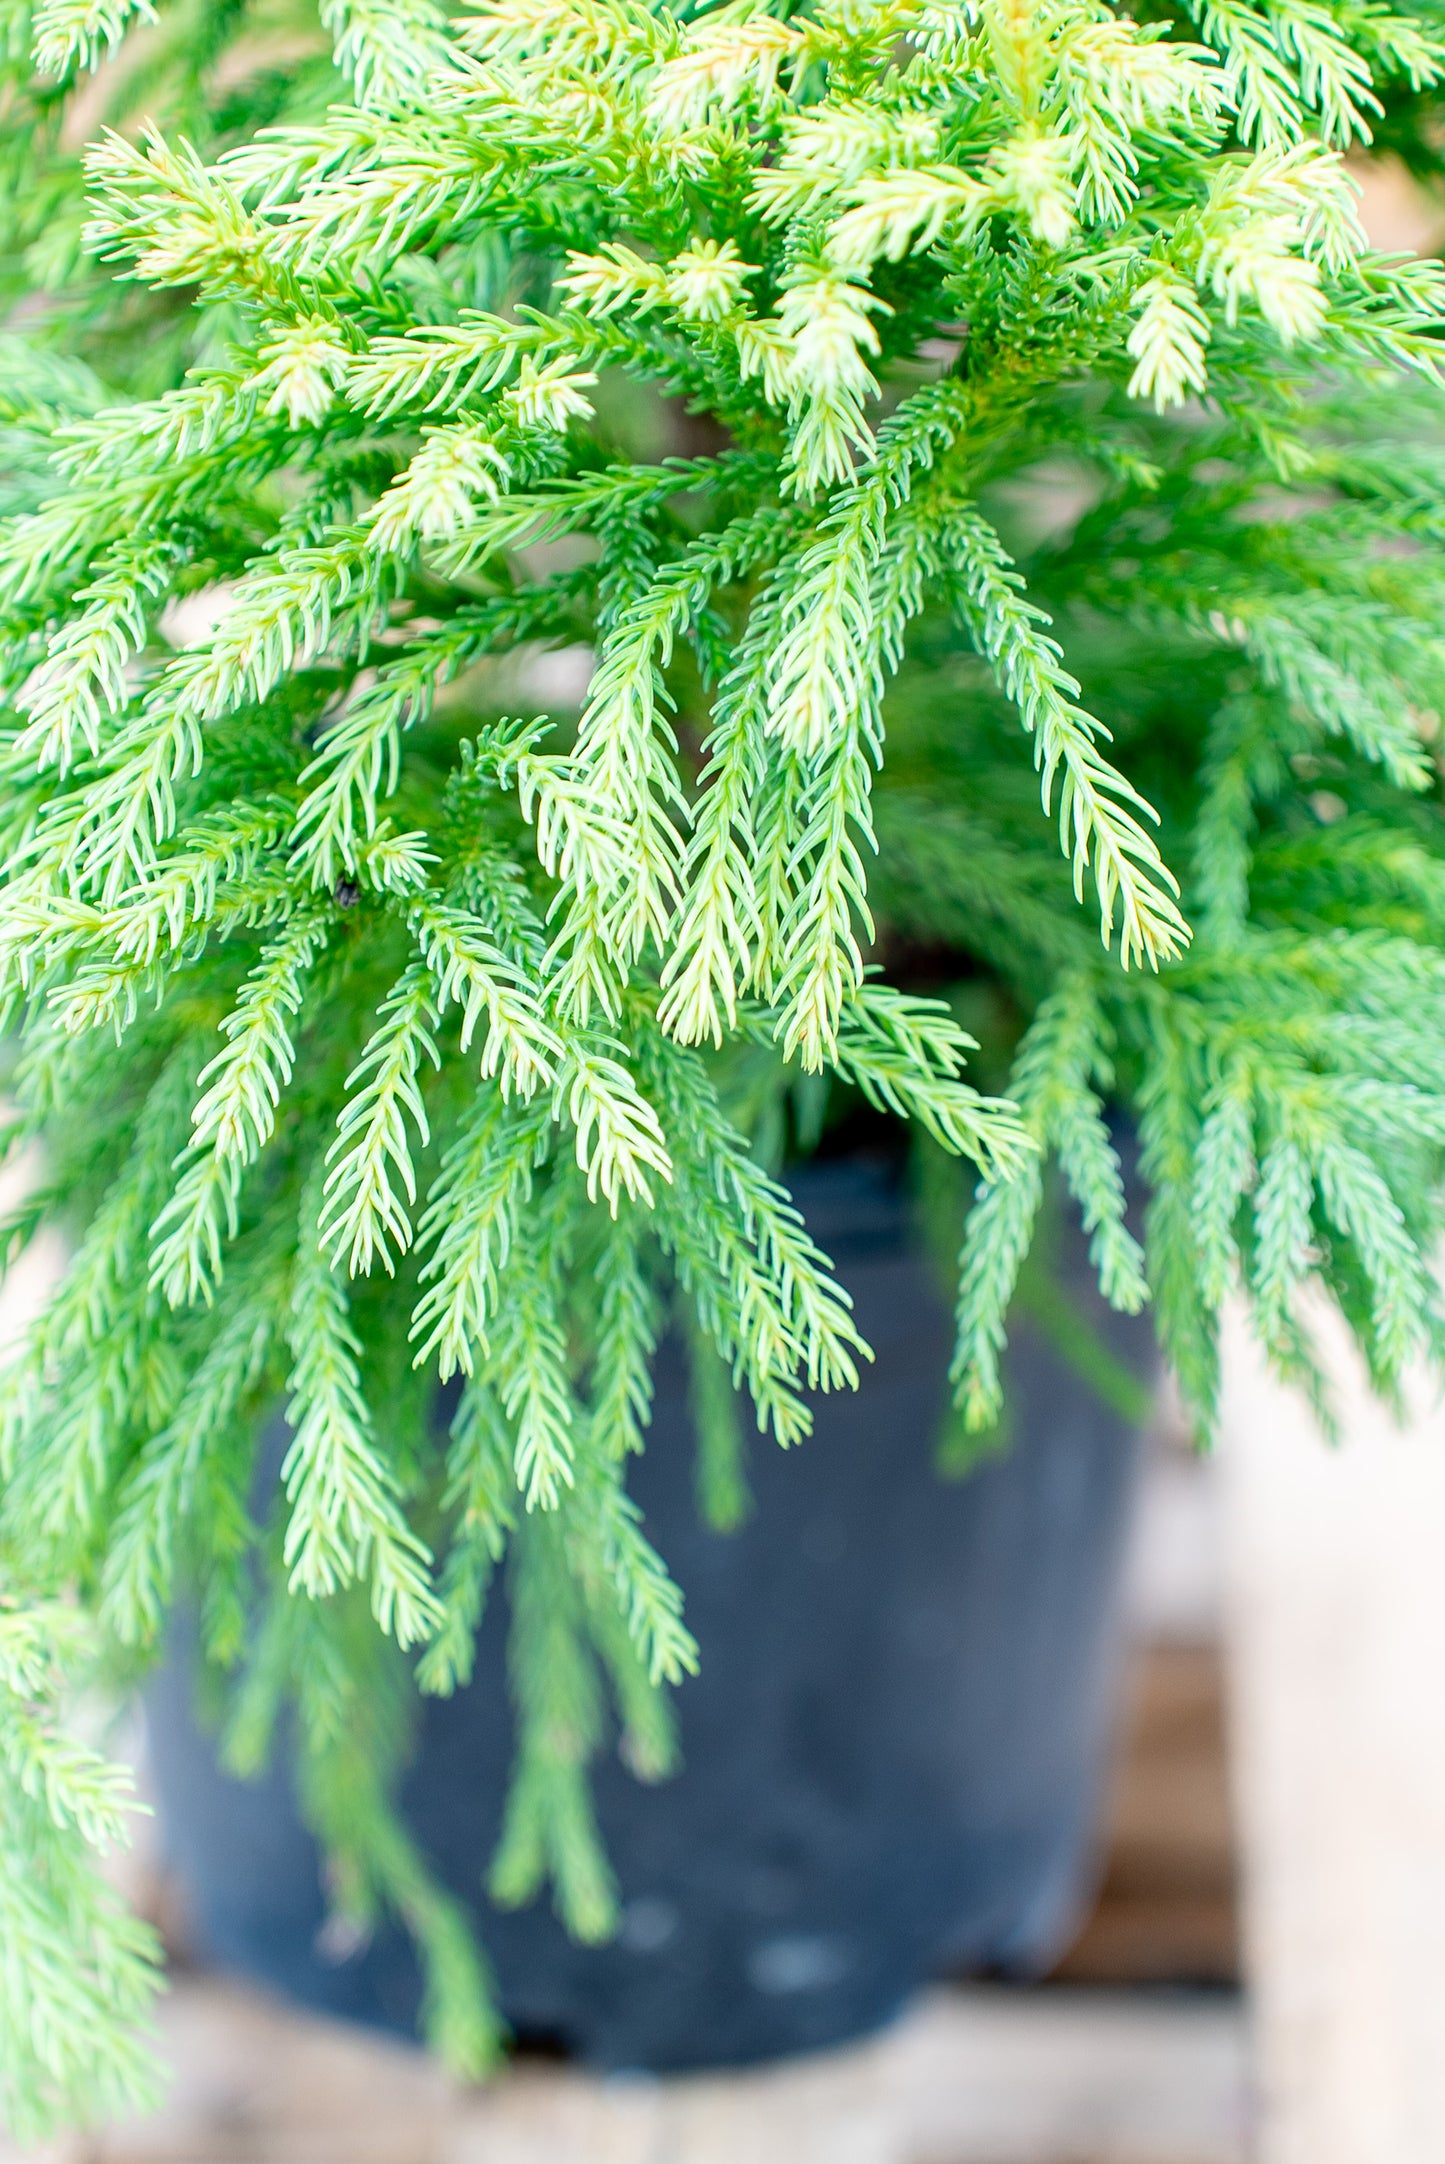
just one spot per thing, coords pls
(944, 421)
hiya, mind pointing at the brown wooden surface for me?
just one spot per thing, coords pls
(1166, 1909)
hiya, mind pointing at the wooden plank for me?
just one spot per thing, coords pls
(1166, 1906)
(985, 2076)
(1337, 1658)
(1166, 1909)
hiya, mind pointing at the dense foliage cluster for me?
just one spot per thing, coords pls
(828, 374)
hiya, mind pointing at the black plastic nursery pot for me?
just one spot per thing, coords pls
(892, 1756)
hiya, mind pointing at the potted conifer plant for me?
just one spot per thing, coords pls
(410, 1061)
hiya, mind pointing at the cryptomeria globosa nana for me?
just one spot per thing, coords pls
(855, 382)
